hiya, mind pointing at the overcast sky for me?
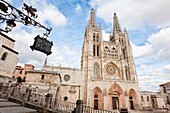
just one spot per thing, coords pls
(147, 22)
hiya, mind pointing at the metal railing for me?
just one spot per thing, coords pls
(28, 95)
(64, 105)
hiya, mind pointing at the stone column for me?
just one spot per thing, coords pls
(79, 106)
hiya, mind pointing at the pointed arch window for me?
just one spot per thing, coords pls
(42, 77)
(96, 101)
(94, 50)
(127, 73)
(93, 37)
(124, 55)
(97, 38)
(96, 71)
(4, 56)
(148, 98)
(97, 50)
(142, 98)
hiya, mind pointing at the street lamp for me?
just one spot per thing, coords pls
(10, 15)
(10, 25)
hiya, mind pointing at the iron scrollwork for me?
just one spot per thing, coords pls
(10, 15)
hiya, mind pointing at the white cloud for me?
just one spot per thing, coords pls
(153, 60)
(64, 57)
(78, 8)
(105, 35)
(130, 12)
(141, 51)
(157, 44)
(22, 45)
(154, 78)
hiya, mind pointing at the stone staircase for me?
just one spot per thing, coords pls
(10, 107)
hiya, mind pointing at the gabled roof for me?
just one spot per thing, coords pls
(164, 84)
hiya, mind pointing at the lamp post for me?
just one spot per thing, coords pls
(9, 15)
(79, 93)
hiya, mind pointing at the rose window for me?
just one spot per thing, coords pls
(110, 69)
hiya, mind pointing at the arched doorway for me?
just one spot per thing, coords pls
(133, 102)
(116, 97)
(98, 100)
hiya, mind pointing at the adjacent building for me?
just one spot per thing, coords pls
(165, 91)
(21, 72)
(8, 58)
(152, 100)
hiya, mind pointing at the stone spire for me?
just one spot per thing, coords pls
(116, 25)
(92, 20)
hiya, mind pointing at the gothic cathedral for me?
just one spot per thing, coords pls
(107, 78)
(110, 79)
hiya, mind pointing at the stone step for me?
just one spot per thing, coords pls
(3, 100)
(8, 104)
(17, 110)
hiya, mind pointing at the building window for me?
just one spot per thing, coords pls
(93, 37)
(142, 98)
(153, 101)
(20, 72)
(126, 71)
(97, 50)
(94, 50)
(42, 77)
(96, 71)
(65, 98)
(66, 78)
(148, 98)
(97, 38)
(4, 56)
(124, 55)
(96, 101)
(164, 89)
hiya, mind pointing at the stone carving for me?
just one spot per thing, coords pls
(110, 69)
(110, 53)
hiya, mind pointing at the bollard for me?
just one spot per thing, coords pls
(79, 106)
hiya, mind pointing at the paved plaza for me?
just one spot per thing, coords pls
(9, 107)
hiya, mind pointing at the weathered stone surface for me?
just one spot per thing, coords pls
(17, 110)
(8, 104)
(3, 100)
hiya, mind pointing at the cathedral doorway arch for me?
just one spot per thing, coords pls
(116, 97)
(98, 99)
(133, 101)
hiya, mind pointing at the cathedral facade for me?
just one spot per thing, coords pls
(107, 78)
(108, 68)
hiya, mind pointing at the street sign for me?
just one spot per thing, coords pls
(42, 45)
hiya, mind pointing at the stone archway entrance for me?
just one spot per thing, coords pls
(116, 97)
(133, 102)
(98, 101)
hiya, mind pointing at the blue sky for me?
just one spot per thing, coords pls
(147, 23)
